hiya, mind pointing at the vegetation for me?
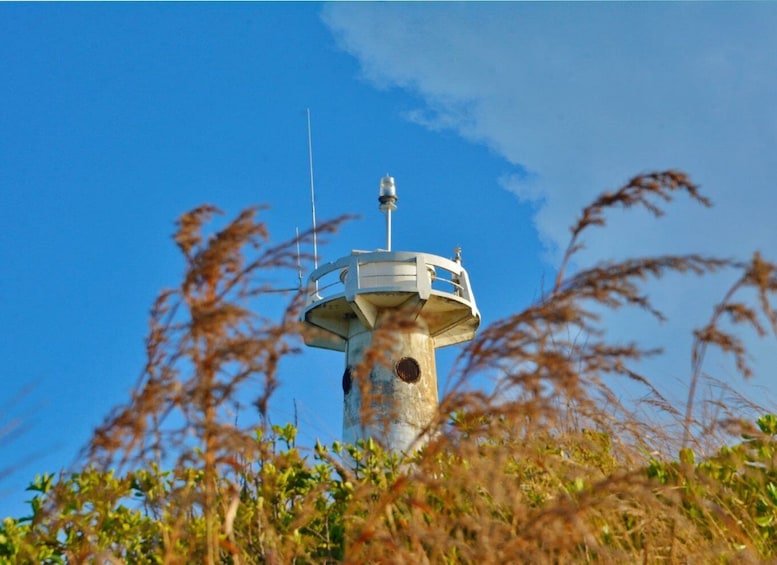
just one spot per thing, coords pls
(545, 467)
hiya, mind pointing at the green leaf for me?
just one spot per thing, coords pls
(764, 521)
(687, 456)
(768, 424)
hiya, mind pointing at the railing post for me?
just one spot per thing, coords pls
(422, 278)
(352, 278)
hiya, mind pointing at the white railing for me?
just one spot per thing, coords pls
(389, 271)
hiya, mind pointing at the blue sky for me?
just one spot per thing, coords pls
(499, 121)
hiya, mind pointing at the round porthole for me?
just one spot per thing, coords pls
(347, 382)
(408, 369)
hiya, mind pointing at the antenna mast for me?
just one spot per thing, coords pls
(299, 260)
(312, 196)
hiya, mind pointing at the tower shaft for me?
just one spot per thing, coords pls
(390, 384)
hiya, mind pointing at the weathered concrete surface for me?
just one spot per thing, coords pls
(380, 404)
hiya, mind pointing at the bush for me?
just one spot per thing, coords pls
(536, 470)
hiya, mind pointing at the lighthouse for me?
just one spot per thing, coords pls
(388, 311)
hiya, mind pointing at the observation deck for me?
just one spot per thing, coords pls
(351, 294)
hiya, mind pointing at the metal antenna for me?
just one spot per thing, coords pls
(312, 196)
(388, 203)
(299, 261)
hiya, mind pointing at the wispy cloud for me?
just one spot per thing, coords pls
(589, 95)
(580, 97)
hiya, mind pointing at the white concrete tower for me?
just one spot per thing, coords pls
(408, 304)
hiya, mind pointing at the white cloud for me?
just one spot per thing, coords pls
(588, 95)
(585, 96)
